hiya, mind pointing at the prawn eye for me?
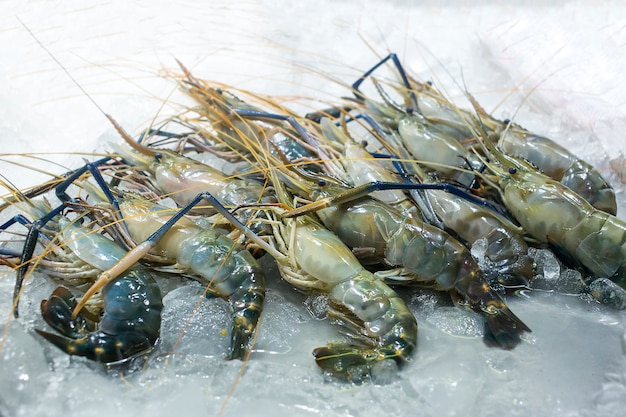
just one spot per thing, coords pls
(409, 110)
(321, 183)
(364, 143)
(512, 170)
(158, 156)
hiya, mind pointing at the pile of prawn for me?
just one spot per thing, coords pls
(394, 187)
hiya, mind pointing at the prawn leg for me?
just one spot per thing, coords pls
(405, 79)
(34, 231)
(61, 190)
(335, 112)
(35, 227)
(393, 57)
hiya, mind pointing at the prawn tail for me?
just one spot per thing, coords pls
(245, 321)
(99, 346)
(75, 338)
(57, 312)
(129, 326)
(503, 329)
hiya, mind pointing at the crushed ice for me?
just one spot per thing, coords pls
(573, 362)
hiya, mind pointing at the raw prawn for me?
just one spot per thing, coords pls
(130, 322)
(226, 267)
(552, 213)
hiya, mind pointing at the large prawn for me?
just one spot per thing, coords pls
(227, 268)
(127, 317)
(182, 178)
(557, 163)
(543, 153)
(554, 214)
(373, 315)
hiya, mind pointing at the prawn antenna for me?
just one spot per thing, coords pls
(60, 64)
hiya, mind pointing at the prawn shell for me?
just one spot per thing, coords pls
(427, 251)
(359, 224)
(595, 239)
(143, 218)
(429, 146)
(558, 163)
(321, 254)
(90, 246)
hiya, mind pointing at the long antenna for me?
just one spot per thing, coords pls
(61, 65)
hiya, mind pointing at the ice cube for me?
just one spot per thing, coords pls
(280, 321)
(317, 305)
(193, 323)
(608, 292)
(478, 250)
(570, 282)
(385, 372)
(547, 263)
(23, 362)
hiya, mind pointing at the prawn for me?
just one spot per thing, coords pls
(182, 178)
(375, 318)
(424, 140)
(130, 319)
(554, 214)
(176, 241)
(559, 164)
(226, 115)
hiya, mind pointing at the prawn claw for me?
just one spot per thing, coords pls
(346, 361)
(57, 312)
